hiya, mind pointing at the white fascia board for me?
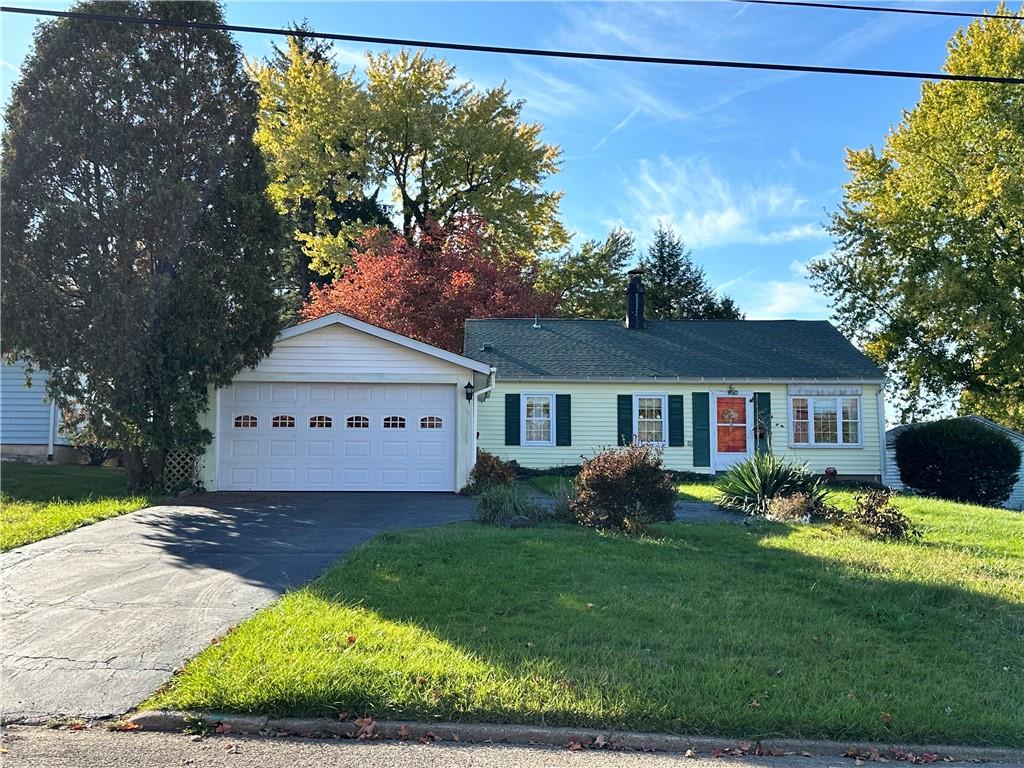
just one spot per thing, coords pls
(336, 318)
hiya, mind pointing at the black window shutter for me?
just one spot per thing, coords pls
(625, 411)
(563, 420)
(675, 421)
(701, 429)
(512, 419)
(763, 420)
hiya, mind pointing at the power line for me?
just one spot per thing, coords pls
(547, 53)
(884, 9)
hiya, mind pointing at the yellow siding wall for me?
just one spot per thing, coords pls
(594, 426)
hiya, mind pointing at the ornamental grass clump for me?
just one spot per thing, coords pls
(624, 488)
(752, 485)
(506, 505)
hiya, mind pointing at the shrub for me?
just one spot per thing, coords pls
(874, 512)
(624, 488)
(490, 470)
(958, 459)
(751, 485)
(505, 505)
(796, 507)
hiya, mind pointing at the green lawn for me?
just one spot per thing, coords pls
(691, 491)
(743, 630)
(39, 501)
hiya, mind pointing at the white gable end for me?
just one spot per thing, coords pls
(336, 352)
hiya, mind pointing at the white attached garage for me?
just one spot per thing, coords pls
(341, 405)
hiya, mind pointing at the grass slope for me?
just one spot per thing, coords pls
(764, 629)
(38, 501)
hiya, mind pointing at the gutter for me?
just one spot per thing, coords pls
(699, 379)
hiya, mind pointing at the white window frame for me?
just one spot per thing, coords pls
(522, 419)
(838, 400)
(663, 396)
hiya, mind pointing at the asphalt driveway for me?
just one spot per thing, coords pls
(92, 621)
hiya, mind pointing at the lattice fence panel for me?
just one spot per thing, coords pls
(181, 468)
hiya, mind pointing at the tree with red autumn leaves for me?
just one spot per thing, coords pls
(427, 289)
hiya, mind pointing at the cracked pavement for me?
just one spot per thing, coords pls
(94, 620)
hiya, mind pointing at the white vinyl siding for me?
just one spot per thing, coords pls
(338, 352)
(594, 426)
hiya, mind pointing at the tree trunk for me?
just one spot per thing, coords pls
(145, 468)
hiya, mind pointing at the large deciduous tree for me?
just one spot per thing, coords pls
(678, 289)
(139, 244)
(590, 281)
(443, 148)
(426, 289)
(928, 269)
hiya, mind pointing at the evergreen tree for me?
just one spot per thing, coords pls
(139, 244)
(677, 289)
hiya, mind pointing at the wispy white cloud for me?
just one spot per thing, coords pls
(706, 209)
(782, 299)
(347, 57)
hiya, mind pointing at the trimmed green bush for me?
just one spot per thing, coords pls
(624, 488)
(958, 459)
(505, 505)
(752, 485)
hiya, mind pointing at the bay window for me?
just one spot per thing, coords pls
(824, 421)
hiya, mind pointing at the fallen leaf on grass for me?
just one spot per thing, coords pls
(404, 731)
(233, 749)
(427, 738)
(222, 728)
(76, 725)
(351, 639)
(885, 717)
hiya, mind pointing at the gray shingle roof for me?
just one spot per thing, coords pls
(672, 349)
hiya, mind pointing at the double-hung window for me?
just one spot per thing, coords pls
(538, 419)
(650, 418)
(825, 421)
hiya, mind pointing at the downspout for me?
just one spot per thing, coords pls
(476, 403)
(884, 468)
(53, 425)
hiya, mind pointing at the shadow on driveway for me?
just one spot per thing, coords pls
(96, 619)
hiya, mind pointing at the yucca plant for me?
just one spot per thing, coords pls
(752, 484)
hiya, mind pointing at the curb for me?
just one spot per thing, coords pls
(165, 720)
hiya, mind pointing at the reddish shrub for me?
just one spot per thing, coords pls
(624, 488)
(490, 470)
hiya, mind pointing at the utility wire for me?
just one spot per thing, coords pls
(554, 54)
(884, 9)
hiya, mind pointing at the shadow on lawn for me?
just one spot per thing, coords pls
(709, 630)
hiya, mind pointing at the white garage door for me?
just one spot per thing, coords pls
(337, 437)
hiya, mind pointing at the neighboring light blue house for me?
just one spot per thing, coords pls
(29, 423)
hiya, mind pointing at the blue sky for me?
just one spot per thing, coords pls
(744, 165)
